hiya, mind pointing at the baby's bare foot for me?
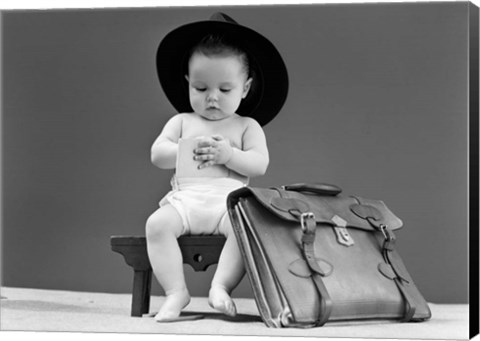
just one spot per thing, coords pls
(173, 305)
(219, 299)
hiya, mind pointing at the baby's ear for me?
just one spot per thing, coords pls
(186, 77)
(246, 87)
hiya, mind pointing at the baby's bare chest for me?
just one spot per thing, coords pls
(231, 130)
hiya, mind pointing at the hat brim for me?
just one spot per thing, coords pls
(271, 86)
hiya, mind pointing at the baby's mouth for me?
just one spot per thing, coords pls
(213, 113)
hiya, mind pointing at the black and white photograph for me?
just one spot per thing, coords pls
(253, 170)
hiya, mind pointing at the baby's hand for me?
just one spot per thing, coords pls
(213, 150)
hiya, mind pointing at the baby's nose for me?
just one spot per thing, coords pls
(212, 96)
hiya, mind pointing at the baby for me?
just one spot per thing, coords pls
(220, 76)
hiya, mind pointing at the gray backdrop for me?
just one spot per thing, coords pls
(378, 104)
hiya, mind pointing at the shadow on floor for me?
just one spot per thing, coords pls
(239, 318)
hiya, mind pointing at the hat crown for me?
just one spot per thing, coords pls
(269, 89)
(219, 16)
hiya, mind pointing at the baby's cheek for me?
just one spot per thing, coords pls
(232, 106)
(196, 104)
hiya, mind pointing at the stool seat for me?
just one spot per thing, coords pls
(198, 251)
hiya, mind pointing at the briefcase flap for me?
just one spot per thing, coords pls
(353, 212)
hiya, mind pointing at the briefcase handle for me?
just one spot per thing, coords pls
(317, 188)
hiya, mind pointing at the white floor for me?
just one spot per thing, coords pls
(52, 310)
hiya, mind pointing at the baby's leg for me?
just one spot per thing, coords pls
(230, 271)
(163, 228)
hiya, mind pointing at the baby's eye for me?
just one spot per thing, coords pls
(200, 89)
(225, 90)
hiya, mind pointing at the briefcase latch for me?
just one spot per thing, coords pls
(340, 228)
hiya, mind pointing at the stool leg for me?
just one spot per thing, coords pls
(146, 297)
(141, 292)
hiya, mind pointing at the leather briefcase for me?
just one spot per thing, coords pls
(314, 256)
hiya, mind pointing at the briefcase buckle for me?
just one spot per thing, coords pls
(305, 218)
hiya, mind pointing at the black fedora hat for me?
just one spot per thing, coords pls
(270, 84)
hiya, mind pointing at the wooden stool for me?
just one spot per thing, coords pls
(198, 251)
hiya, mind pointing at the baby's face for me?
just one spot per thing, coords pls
(217, 85)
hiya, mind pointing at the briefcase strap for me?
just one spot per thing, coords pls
(308, 224)
(409, 305)
(388, 249)
(400, 280)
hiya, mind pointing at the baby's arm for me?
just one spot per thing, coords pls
(164, 149)
(251, 161)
